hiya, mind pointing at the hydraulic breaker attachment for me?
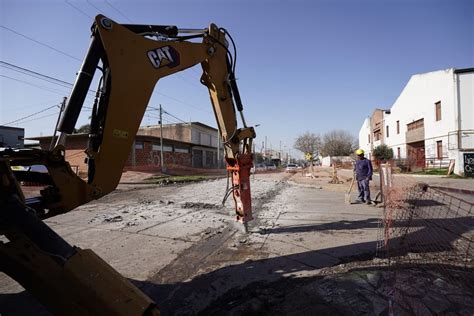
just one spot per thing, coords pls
(241, 183)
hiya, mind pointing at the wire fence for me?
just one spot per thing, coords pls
(426, 229)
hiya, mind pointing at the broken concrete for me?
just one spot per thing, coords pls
(181, 247)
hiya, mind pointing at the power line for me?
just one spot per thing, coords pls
(37, 104)
(166, 112)
(61, 82)
(93, 5)
(182, 102)
(41, 117)
(40, 43)
(174, 116)
(119, 12)
(151, 116)
(34, 85)
(33, 73)
(79, 10)
(37, 118)
(38, 75)
(192, 83)
(75, 58)
(169, 121)
(28, 116)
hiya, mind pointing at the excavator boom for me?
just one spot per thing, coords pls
(131, 59)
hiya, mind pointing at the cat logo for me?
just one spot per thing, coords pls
(165, 56)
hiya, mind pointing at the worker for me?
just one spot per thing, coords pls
(363, 173)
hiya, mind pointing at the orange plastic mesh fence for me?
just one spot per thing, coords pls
(424, 227)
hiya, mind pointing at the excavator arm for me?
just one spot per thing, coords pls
(132, 58)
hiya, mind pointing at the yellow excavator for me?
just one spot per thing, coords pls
(131, 58)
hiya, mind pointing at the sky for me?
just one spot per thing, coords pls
(302, 66)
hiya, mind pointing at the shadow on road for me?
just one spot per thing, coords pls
(189, 296)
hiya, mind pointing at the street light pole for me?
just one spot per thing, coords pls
(161, 141)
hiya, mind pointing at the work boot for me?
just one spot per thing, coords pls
(369, 202)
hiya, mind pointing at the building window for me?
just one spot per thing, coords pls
(416, 125)
(438, 110)
(205, 139)
(398, 153)
(157, 147)
(209, 158)
(181, 150)
(398, 127)
(388, 134)
(139, 145)
(378, 136)
(439, 149)
(368, 138)
(195, 137)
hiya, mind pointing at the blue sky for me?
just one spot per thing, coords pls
(301, 65)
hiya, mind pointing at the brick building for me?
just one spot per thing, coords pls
(188, 144)
(203, 139)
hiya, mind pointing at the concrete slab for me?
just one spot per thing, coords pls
(296, 231)
(134, 255)
(189, 227)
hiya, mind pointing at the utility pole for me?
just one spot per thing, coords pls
(279, 154)
(254, 160)
(218, 147)
(63, 105)
(161, 141)
(265, 150)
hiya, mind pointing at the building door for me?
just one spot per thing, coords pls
(209, 158)
(416, 154)
(197, 158)
(439, 149)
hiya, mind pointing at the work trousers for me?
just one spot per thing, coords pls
(364, 190)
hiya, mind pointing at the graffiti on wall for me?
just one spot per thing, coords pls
(154, 158)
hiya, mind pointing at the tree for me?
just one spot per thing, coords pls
(383, 153)
(84, 129)
(308, 143)
(338, 143)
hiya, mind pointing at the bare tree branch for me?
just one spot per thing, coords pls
(308, 143)
(338, 143)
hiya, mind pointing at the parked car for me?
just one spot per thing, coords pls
(258, 167)
(291, 168)
(270, 166)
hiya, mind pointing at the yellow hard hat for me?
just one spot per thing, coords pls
(360, 152)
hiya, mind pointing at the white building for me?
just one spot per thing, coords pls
(430, 123)
(365, 138)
